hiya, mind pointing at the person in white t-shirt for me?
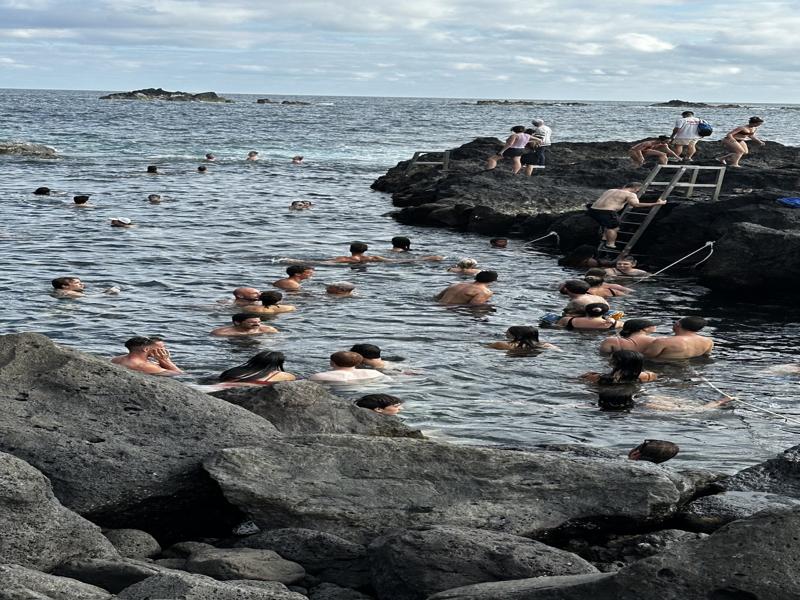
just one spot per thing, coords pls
(544, 134)
(685, 134)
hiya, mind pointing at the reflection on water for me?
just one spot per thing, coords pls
(232, 227)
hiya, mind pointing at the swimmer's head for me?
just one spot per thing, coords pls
(210, 156)
(202, 169)
(625, 263)
(615, 398)
(246, 320)
(655, 451)
(120, 222)
(80, 199)
(627, 365)
(755, 121)
(467, 263)
(261, 365)
(523, 335)
(138, 343)
(300, 271)
(154, 199)
(358, 248)
(67, 283)
(42, 191)
(152, 169)
(663, 138)
(693, 324)
(368, 351)
(380, 403)
(270, 298)
(346, 359)
(518, 129)
(297, 159)
(252, 154)
(250, 294)
(595, 276)
(575, 286)
(340, 288)
(402, 243)
(632, 326)
(486, 277)
(595, 309)
(498, 242)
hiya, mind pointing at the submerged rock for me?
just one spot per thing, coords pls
(27, 149)
(160, 94)
(19, 583)
(709, 513)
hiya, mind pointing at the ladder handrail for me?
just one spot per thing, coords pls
(445, 162)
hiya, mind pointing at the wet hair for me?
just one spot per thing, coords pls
(369, 351)
(595, 309)
(594, 280)
(83, 199)
(631, 326)
(152, 169)
(252, 153)
(401, 242)
(138, 342)
(753, 120)
(154, 198)
(467, 263)
(692, 323)
(358, 248)
(270, 298)
(60, 283)
(495, 241)
(627, 366)
(576, 286)
(346, 359)
(202, 168)
(656, 451)
(344, 286)
(42, 191)
(638, 184)
(373, 401)
(615, 398)
(260, 365)
(239, 317)
(486, 277)
(155, 338)
(209, 155)
(518, 128)
(297, 270)
(524, 336)
(629, 259)
(687, 113)
(537, 122)
(578, 257)
(530, 131)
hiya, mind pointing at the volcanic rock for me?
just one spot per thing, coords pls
(113, 575)
(329, 591)
(133, 543)
(709, 513)
(200, 587)
(19, 583)
(160, 94)
(27, 149)
(244, 563)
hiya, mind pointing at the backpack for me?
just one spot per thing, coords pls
(704, 129)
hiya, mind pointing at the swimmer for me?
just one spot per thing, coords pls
(252, 156)
(635, 335)
(68, 287)
(498, 243)
(615, 398)
(301, 205)
(297, 160)
(246, 296)
(344, 370)
(668, 403)
(596, 278)
(627, 367)
(625, 267)
(357, 255)
(244, 324)
(295, 275)
(466, 266)
(264, 368)
(154, 199)
(686, 343)
(269, 304)
(580, 298)
(152, 170)
(371, 355)
(202, 169)
(582, 257)
(147, 355)
(401, 244)
(591, 319)
(81, 202)
(654, 451)
(476, 292)
(341, 289)
(522, 339)
(41, 191)
(383, 404)
(210, 157)
(121, 222)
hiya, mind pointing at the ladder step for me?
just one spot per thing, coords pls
(685, 184)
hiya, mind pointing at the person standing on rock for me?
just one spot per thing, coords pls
(685, 134)
(658, 148)
(514, 148)
(605, 209)
(544, 134)
(476, 292)
(686, 343)
(736, 142)
(147, 355)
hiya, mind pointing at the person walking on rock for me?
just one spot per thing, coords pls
(659, 148)
(514, 148)
(685, 134)
(736, 141)
(543, 134)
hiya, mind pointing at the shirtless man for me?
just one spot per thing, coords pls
(344, 370)
(147, 355)
(68, 287)
(357, 250)
(476, 292)
(244, 324)
(246, 296)
(625, 267)
(340, 289)
(605, 208)
(658, 147)
(684, 344)
(295, 275)
(270, 304)
(580, 298)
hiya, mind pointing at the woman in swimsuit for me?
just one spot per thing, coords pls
(263, 369)
(522, 339)
(596, 278)
(593, 319)
(626, 366)
(736, 141)
(514, 148)
(658, 147)
(635, 335)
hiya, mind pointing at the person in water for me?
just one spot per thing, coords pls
(736, 141)
(154, 199)
(514, 148)
(625, 266)
(270, 304)
(264, 368)
(580, 298)
(371, 355)
(383, 404)
(466, 266)
(246, 296)
(401, 244)
(295, 275)
(252, 156)
(68, 287)
(686, 343)
(341, 289)
(202, 169)
(358, 255)
(498, 243)
(475, 292)
(121, 222)
(657, 148)
(82, 201)
(210, 157)
(301, 205)
(344, 370)
(147, 355)
(626, 367)
(522, 339)
(152, 169)
(596, 278)
(654, 451)
(635, 335)
(593, 318)
(605, 208)
(244, 324)
(297, 160)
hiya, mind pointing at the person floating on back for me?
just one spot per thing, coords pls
(605, 208)
(686, 343)
(475, 292)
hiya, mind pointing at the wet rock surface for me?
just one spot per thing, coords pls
(19, 583)
(200, 587)
(27, 149)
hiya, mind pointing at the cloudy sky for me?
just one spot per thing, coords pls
(736, 50)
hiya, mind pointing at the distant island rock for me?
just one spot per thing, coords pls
(685, 104)
(287, 102)
(27, 149)
(159, 94)
(526, 103)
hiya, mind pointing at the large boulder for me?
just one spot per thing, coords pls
(19, 583)
(133, 543)
(330, 591)
(779, 475)
(27, 149)
(199, 587)
(752, 559)
(709, 513)
(413, 564)
(37, 531)
(120, 447)
(113, 575)
(300, 407)
(244, 563)
(161, 94)
(360, 487)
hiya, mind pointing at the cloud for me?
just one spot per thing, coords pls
(467, 66)
(642, 42)
(586, 49)
(529, 60)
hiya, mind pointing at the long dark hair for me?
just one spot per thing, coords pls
(257, 367)
(627, 366)
(631, 326)
(524, 336)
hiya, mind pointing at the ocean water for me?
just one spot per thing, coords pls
(231, 227)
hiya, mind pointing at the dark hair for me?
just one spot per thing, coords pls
(261, 364)
(239, 317)
(80, 199)
(578, 257)
(270, 298)
(152, 169)
(656, 451)
(595, 309)
(631, 326)
(494, 241)
(202, 168)
(615, 398)
(42, 191)
(594, 280)
(370, 351)
(692, 323)
(138, 342)
(638, 184)
(60, 283)
(346, 359)
(524, 336)
(297, 270)
(663, 138)
(530, 131)
(155, 338)
(358, 248)
(518, 129)
(401, 242)
(687, 113)
(576, 286)
(373, 401)
(627, 366)
(486, 276)
(758, 120)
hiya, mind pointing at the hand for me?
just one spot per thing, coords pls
(160, 353)
(661, 201)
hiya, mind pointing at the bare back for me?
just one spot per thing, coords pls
(679, 347)
(465, 293)
(615, 200)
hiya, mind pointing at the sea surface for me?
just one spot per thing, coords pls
(231, 227)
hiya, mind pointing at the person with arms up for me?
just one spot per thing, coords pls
(147, 355)
(605, 209)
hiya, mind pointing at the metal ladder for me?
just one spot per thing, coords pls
(634, 221)
(415, 160)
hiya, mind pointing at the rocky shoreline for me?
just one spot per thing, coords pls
(747, 224)
(118, 484)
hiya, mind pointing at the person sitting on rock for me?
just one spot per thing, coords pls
(658, 148)
(340, 289)
(401, 244)
(244, 324)
(147, 355)
(269, 304)
(475, 292)
(522, 339)
(68, 287)
(625, 266)
(357, 255)
(264, 368)
(605, 208)
(514, 148)
(686, 343)
(383, 404)
(580, 298)
(596, 278)
(295, 274)
(593, 318)
(344, 370)
(466, 266)
(626, 367)
(246, 296)
(635, 335)
(654, 451)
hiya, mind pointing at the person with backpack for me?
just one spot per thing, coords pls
(685, 133)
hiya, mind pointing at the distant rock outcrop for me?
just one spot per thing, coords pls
(526, 103)
(159, 94)
(27, 149)
(685, 104)
(284, 102)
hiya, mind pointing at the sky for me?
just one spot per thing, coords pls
(731, 51)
